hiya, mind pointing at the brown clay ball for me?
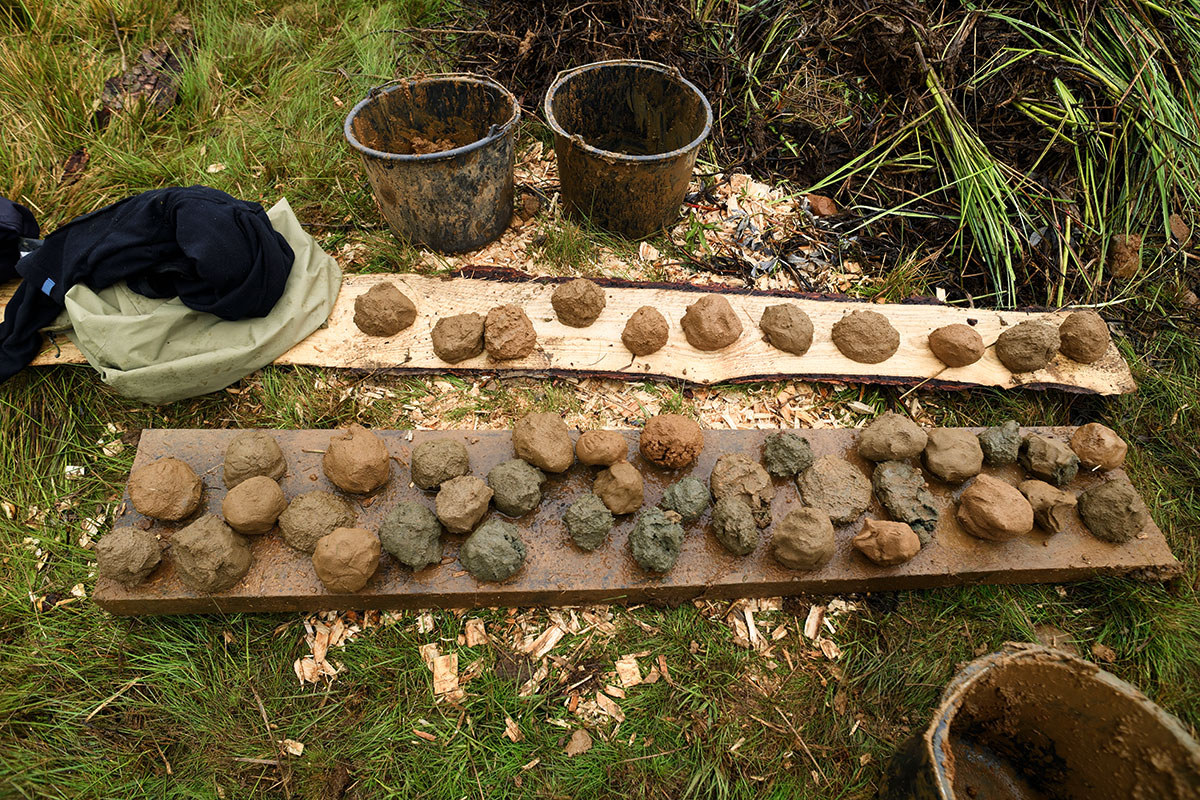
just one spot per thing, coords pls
(710, 323)
(620, 488)
(253, 453)
(1084, 337)
(956, 345)
(671, 440)
(866, 337)
(887, 543)
(210, 557)
(646, 331)
(1027, 346)
(601, 448)
(357, 461)
(787, 327)
(508, 334)
(346, 559)
(578, 303)
(458, 338)
(253, 506)
(1099, 447)
(166, 489)
(127, 555)
(544, 441)
(991, 509)
(383, 310)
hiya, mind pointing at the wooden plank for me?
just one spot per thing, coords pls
(598, 349)
(558, 573)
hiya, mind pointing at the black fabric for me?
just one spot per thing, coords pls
(16, 223)
(217, 253)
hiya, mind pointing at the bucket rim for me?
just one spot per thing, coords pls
(495, 133)
(671, 72)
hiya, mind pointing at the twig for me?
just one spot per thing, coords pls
(112, 14)
(651, 755)
(111, 697)
(796, 733)
(266, 762)
(281, 764)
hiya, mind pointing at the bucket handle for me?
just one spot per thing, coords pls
(670, 69)
(374, 90)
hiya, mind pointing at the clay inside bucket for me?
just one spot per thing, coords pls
(431, 117)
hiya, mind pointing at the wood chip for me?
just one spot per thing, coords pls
(614, 691)
(812, 625)
(628, 671)
(429, 653)
(512, 731)
(609, 707)
(293, 747)
(544, 643)
(476, 633)
(445, 676)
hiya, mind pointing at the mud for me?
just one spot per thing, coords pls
(1084, 337)
(866, 337)
(1001, 444)
(804, 539)
(1051, 507)
(1027, 346)
(656, 541)
(166, 489)
(734, 527)
(346, 559)
(836, 487)
(736, 476)
(412, 534)
(508, 334)
(462, 502)
(646, 331)
(127, 555)
(710, 323)
(687, 497)
(544, 440)
(458, 338)
(1113, 511)
(436, 461)
(1125, 255)
(786, 455)
(312, 516)
(1098, 446)
(253, 453)
(588, 522)
(902, 491)
(991, 509)
(887, 543)
(494, 552)
(787, 327)
(578, 303)
(1048, 459)
(601, 448)
(956, 345)
(620, 487)
(671, 440)
(209, 556)
(253, 506)
(953, 454)
(891, 437)
(383, 310)
(517, 487)
(357, 461)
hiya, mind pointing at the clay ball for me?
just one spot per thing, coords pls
(1048, 459)
(346, 559)
(886, 543)
(902, 492)
(601, 448)
(734, 527)
(735, 475)
(891, 437)
(1099, 447)
(787, 327)
(646, 331)
(127, 555)
(671, 440)
(508, 334)
(517, 487)
(656, 541)
(254, 505)
(578, 303)
(836, 487)
(1084, 337)
(357, 461)
(462, 502)
(494, 552)
(866, 337)
(1027, 346)
(544, 441)
(166, 489)
(458, 338)
(312, 516)
(953, 454)
(412, 534)
(620, 487)
(210, 557)
(1051, 507)
(710, 323)
(803, 539)
(786, 454)
(956, 345)
(687, 497)
(991, 509)
(588, 522)
(435, 461)
(1113, 512)
(383, 310)
(1001, 443)
(253, 453)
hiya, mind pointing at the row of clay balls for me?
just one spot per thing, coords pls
(711, 324)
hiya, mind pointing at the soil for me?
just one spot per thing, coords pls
(836, 487)
(804, 539)
(383, 310)
(734, 526)
(254, 505)
(588, 522)
(578, 303)
(786, 455)
(866, 337)
(166, 489)
(1001, 444)
(253, 453)
(508, 334)
(312, 516)
(956, 345)
(656, 541)
(710, 323)
(992, 509)
(1051, 507)
(412, 534)
(1048, 459)
(436, 461)
(418, 146)
(544, 440)
(953, 454)
(1125, 255)
(671, 440)
(346, 559)
(787, 327)
(887, 543)
(210, 557)
(646, 331)
(620, 487)
(1084, 337)
(687, 497)
(357, 461)
(601, 448)
(517, 487)
(902, 491)
(494, 552)
(737, 476)
(1113, 511)
(458, 338)
(1027, 346)
(462, 502)
(127, 555)
(1098, 446)
(891, 437)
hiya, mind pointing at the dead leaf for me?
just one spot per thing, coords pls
(512, 731)
(821, 205)
(429, 737)
(213, 169)
(1102, 652)
(292, 747)
(1179, 228)
(579, 744)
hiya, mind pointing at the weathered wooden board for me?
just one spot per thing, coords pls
(598, 349)
(558, 573)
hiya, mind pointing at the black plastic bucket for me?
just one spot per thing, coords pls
(438, 152)
(626, 134)
(1032, 723)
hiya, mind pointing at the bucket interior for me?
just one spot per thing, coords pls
(430, 116)
(629, 109)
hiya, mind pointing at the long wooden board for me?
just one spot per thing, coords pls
(558, 573)
(598, 350)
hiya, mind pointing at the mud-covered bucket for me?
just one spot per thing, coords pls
(1030, 722)
(626, 134)
(438, 151)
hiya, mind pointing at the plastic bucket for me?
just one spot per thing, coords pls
(1030, 722)
(438, 152)
(626, 134)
